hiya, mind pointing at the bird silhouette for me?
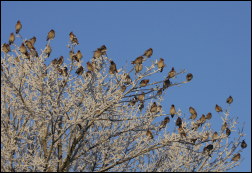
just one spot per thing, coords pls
(11, 38)
(50, 35)
(18, 26)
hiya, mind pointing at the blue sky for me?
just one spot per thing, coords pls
(212, 40)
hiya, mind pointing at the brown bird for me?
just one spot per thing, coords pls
(72, 55)
(236, 157)
(79, 71)
(60, 60)
(189, 76)
(90, 66)
(48, 50)
(79, 55)
(50, 35)
(73, 38)
(243, 144)
(33, 40)
(34, 53)
(179, 122)
(172, 111)
(218, 108)
(215, 136)
(144, 82)
(229, 99)
(11, 38)
(55, 61)
(141, 96)
(161, 64)
(88, 74)
(138, 60)
(228, 131)
(159, 92)
(103, 49)
(6, 48)
(202, 119)
(193, 116)
(97, 53)
(166, 83)
(208, 149)
(29, 45)
(224, 126)
(164, 122)
(159, 108)
(149, 134)
(133, 101)
(138, 67)
(148, 52)
(112, 68)
(172, 73)
(64, 71)
(123, 88)
(181, 132)
(23, 49)
(18, 26)
(127, 79)
(192, 111)
(209, 116)
(153, 107)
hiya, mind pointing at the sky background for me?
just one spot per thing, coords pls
(212, 40)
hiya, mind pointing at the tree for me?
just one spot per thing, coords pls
(62, 116)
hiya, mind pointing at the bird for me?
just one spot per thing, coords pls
(64, 71)
(161, 64)
(144, 82)
(97, 53)
(50, 35)
(90, 66)
(172, 110)
(73, 38)
(141, 105)
(123, 88)
(55, 61)
(215, 136)
(138, 60)
(29, 45)
(205, 137)
(48, 50)
(6, 48)
(127, 79)
(236, 157)
(34, 53)
(60, 60)
(112, 68)
(159, 92)
(192, 111)
(193, 116)
(159, 108)
(103, 49)
(33, 40)
(243, 144)
(228, 131)
(148, 52)
(218, 108)
(209, 116)
(18, 26)
(23, 49)
(189, 77)
(224, 126)
(179, 122)
(153, 107)
(88, 74)
(202, 119)
(166, 83)
(208, 149)
(73, 56)
(79, 55)
(133, 101)
(229, 100)
(181, 131)
(164, 122)
(172, 73)
(79, 71)
(11, 38)
(141, 96)
(138, 67)
(149, 134)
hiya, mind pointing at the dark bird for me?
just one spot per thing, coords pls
(73, 56)
(123, 88)
(127, 79)
(208, 149)
(133, 101)
(189, 76)
(64, 71)
(229, 99)
(166, 83)
(159, 92)
(79, 55)
(218, 108)
(209, 116)
(144, 82)
(172, 73)
(97, 53)
(181, 132)
(138, 60)
(179, 122)
(193, 112)
(148, 52)
(243, 144)
(50, 35)
(224, 126)
(194, 140)
(228, 131)
(103, 49)
(172, 111)
(149, 134)
(33, 40)
(153, 107)
(18, 26)
(138, 67)
(29, 45)
(79, 71)
(11, 38)
(215, 136)
(161, 64)
(112, 68)
(55, 61)
(202, 119)
(6, 48)
(236, 157)
(73, 38)
(141, 96)
(34, 53)
(60, 60)
(90, 66)
(159, 108)
(164, 122)
(48, 50)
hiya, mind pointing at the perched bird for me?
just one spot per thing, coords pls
(138, 60)
(179, 122)
(6, 48)
(159, 92)
(172, 111)
(215, 136)
(202, 119)
(192, 111)
(218, 108)
(133, 101)
(229, 99)
(112, 68)
(79, 71)
(11, 38)
(29, 45)
(148, 52)
(189, 77)
(172, 73)
(73, 38)
(181, 132)
(88, 74)
(144, 82)
(50, 35)
(64, 71)
(127, 79)
(208, 149)
(23, 49)
(48, 50)
(90, 66)
(153, 107)
(103, 49)
(161, 64)
(228, 131)
(141, 96)
(243, 144)
(34, 53)
(166, 83)
(97, 53)
(60, 60)
(79, 55)
(141, 105)
(209, 116)
(224, 126)
(236, 157)
(123, 88)
(205, 137)
(18, 26)
(164, 122)
(73, 56)
(33, 40)
(138, 67)
(193, 116)
(55, 61)
(149, 134)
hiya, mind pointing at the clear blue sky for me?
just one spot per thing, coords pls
(212, 40)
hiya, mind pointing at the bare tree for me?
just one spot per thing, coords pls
(98, 117)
